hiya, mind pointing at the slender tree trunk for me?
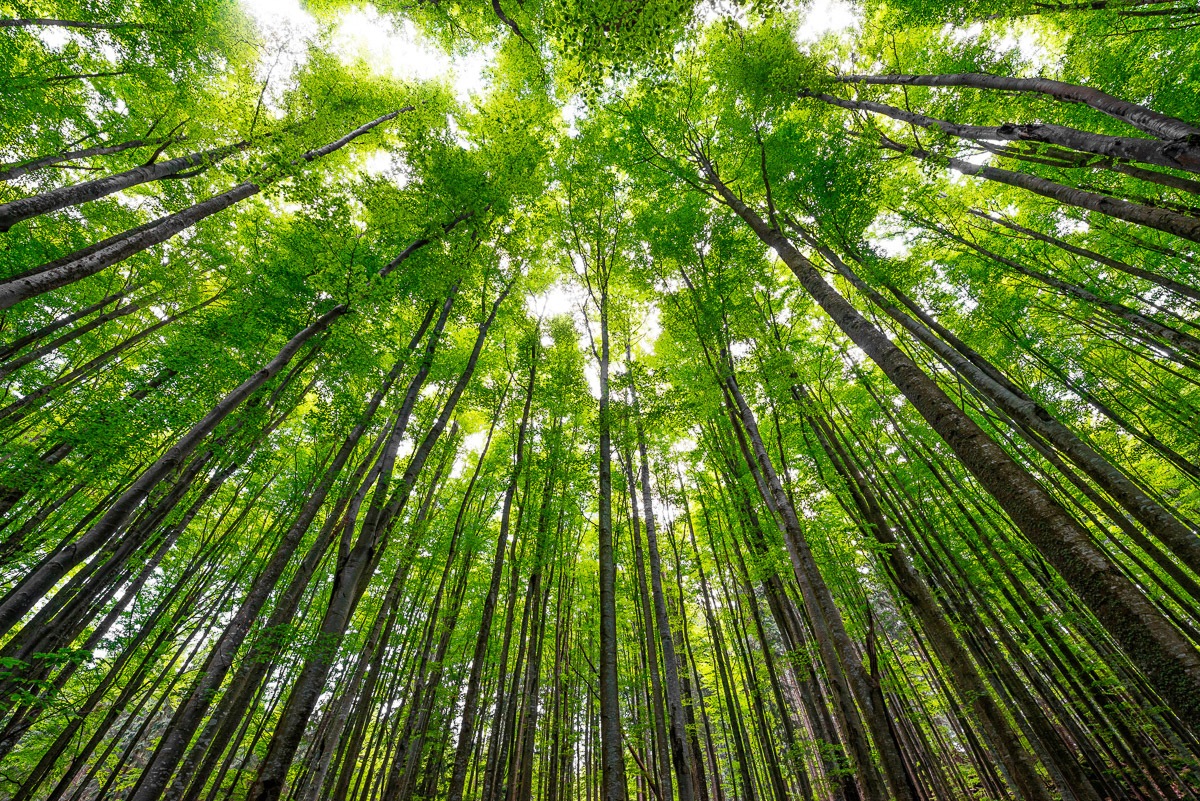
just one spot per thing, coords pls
(188, 715)
(1180, 225)
(25, 208)
(9, 350)
(1140, 117)
(680, 755)
(1166, 658)
(1015, 403)
(1175, 339)
(1100, 258)
(43, 578)
(612, 753)
(93, 259)
(1174, 155)
(661, 743)
(10, 367)
(466, 734)
(352, 576)
(10, 171)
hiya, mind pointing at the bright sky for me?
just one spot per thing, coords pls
(826, 16)
(399, 50)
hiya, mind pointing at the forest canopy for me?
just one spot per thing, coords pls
(742, 400)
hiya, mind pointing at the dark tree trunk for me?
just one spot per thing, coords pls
(1140, 117)
(1166, 658)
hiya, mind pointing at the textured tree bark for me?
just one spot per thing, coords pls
(1167, 659)
(1147, 275)
(680, 755)
(1178, 224)
(191, 710)
(1140, 117)
(1183, 542)
(25, 208)
(613, 786)
(466, 733)
(352, 576)
(43, 578)
(11, 171)
(657, 712)
(1148, 151)
(115, 249)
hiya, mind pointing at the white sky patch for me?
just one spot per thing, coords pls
(962, 35)
(648, 330)
(683, 445)
(1066, 225)
(399, 49)
(387, 164)
(286, 29)
(568, 298)
(591, 371)
(884, 237)
(558, 299)
(1032, 47)
(825, 17)
(572, 110)
(894, 247)
(52, 37)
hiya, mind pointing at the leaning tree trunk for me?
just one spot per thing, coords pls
(680, 755)
(1140, 117)
(93, 259)
(1135, 319)
(24, 208)
(1004, 741)
(1168, 660)
(1165, 282)
(1183, 542)
(42, 578)
(1180, 225)
(613, 786)
(352, 576)
(191, 710)
(466, 734)
(15, 170)
(1147, 151)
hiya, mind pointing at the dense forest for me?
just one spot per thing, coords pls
(585, 400)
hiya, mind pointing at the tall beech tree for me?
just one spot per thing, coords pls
(658, 403)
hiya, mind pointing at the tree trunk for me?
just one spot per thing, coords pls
(680, 755)
(1147, 275)
(1140, 117)
(466, 734)
(93, 259)
(43, 578)
(11, 171)
(612, 753)
(1174, 155)
(1178, 224)
(351, 577)
(192, 709)
(1183, 542)
(1167, 659)
(24, 208)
